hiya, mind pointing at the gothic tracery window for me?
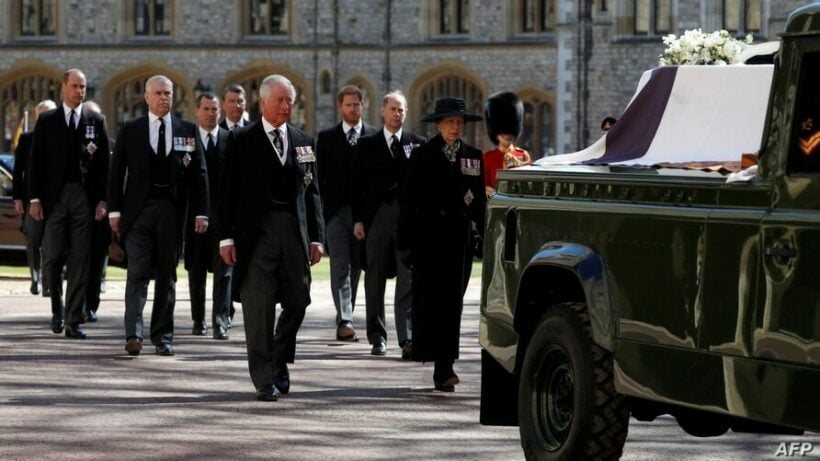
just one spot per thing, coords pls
(21, 96)
(453, 86)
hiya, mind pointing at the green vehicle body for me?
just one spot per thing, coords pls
(706, 293)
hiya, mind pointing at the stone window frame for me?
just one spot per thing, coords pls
(169, 20)
(656, 12)
(17, 20)
(534, 140)
(543, 22)
(458, 12)
(743, 16)
(247, 11)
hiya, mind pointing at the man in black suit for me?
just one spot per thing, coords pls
(271, 229)
(98, 250)
(381, 164)
(156, 171)
(68, 172)
(234, 103)
(202, 250)
(335, 149)
(32, 229)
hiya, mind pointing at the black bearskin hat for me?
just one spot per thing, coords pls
(504, 113)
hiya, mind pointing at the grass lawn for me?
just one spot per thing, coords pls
(319, 272)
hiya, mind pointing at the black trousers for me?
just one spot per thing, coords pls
(205, 255)
(278, 272)
(67, 238)
(97, 261)
(151, 248)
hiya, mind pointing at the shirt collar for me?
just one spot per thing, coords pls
(283, 128)
(203, 133)
(230, 124)
(152, 118)
(388, 134)
(77, 110)
(346, 127)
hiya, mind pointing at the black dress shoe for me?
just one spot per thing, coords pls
(200, 329)
(165, 349)
(57, 325)
(34, 288)
(407, 350)
(282, 380)
(267, 393)
(90, 316)
(220, 333)
(448, 385)
(133, 346)
(74, 331)
(379, 348)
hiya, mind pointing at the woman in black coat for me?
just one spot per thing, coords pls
(444, 201)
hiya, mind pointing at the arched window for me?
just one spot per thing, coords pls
(538, 136)
(129, 100)
(325, 82)
(21, 95)
(453, 85)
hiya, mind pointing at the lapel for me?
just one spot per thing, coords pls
(263, 152)
(141, 126)
(221, 140)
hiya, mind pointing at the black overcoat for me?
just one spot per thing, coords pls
(441, 202)
(245, 190)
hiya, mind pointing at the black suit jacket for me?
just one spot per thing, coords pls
(130, 179)
(20, 178)
(224, 124)
(378, 176)
(213, 159)
(50, 148)
(245, 190)
(334, 157)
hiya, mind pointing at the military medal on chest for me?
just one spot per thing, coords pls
(90, 132)
(468, 197)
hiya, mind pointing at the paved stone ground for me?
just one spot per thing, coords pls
(69, 399)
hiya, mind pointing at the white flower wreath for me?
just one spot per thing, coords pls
(699, 48)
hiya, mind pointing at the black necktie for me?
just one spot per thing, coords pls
(161, 138)
(210, 143)
(395, 147)
(351, 137)
(277, 143)
(72, 120)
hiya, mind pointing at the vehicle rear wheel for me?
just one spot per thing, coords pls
(567, 405)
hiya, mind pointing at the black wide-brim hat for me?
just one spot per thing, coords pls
(446, 107)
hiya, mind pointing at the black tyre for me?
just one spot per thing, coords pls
(567, 405)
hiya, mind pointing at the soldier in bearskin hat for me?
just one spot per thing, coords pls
(504, 116)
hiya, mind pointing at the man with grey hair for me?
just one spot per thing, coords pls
(68, 172)
(32, 229)
(157, 174)
(270, 227)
